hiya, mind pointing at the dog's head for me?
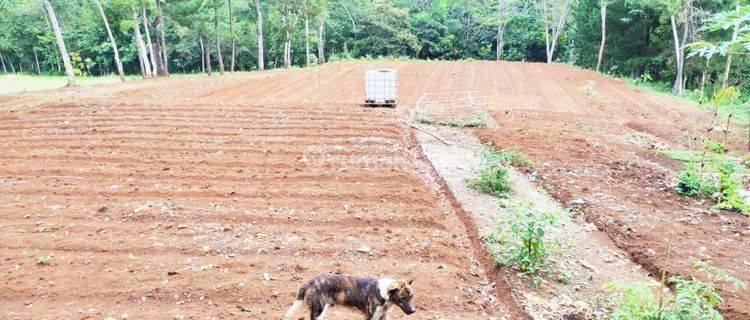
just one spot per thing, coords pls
(401, 294)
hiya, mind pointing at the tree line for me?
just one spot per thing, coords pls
(692, 44)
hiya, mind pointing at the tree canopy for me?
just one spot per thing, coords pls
(644, 38)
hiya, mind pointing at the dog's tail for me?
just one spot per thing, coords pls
(297, 303)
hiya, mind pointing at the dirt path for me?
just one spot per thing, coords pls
(584, 256)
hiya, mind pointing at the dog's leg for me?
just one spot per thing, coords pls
(292, 309)
(322, 314)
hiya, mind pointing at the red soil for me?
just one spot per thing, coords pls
(281, 175)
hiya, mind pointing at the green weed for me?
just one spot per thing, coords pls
(521, 240)
(478, 121)
(692, 184)
(729, 191)
(692, 298)
(493, 175)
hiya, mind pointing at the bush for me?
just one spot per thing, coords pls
(692, 184)
(520, 241)
(493, 176)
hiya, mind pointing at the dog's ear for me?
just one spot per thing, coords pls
(392, 291)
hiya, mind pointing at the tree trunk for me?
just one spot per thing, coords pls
(218, 39)
(677, 87)
(10, 62)
(150, 45)
(2, 61)
(545, 16)
(231, 35)
(321, 43)
(703, 76)
(203, 56)
(307, 42)
(161, 70)
(261, 64)
(61, 44)
(118, 63)
(208, 57)
(735, 34)
(36, 60)
(500, 40)
(141, 46)
(160, 26)
(599, 60)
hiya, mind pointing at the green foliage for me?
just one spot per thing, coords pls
(493, 175)
(691, 184)
(729, 191)
(692, 298)
(521, 241)
(478, 121)
(716, 147)
(43, 260)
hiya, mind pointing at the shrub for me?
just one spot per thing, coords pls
(493, 176)
(521, 240)
(692, 184)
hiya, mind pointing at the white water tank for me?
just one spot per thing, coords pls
(380, 87)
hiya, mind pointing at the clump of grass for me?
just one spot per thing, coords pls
(478, 121)
(43, 260)
(521, 241)
(590, 92)
(493, 175)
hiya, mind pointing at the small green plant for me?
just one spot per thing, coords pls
(692, 184)
(493, 175)
(521, 240)
(43, 260)
(590, 92)
(716, 147)
(692, 298)
(730, 197)
(516, 158)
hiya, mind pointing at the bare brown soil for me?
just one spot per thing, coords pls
(217, 197)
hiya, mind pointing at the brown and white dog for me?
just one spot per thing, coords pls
(376, 298)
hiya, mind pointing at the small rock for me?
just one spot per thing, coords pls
(364, 249)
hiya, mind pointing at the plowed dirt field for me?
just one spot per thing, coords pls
(195, 197)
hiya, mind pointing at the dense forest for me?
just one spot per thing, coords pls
(687, 44)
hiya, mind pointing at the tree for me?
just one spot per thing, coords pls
(603, 9)
(145, 64)
(218, 37)
(259, 18)
(118, 62)
(60, 43)
(231, 35)
(152, 56)
(291, 10)
(735, 35)
(160, 26)
(506, 10)
(706, 50)
(554, 15)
